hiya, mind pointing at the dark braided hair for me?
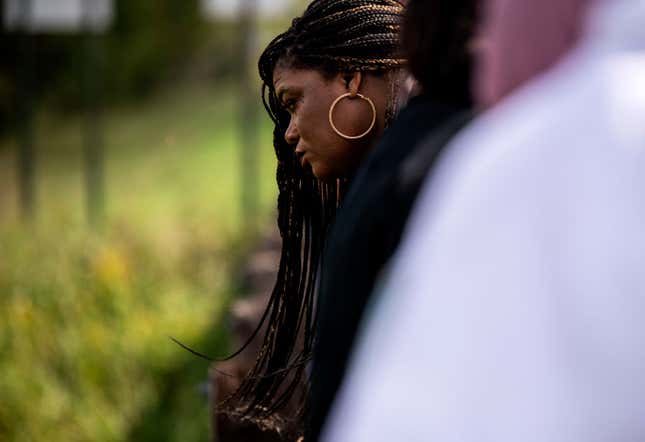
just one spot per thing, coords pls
(331, 36)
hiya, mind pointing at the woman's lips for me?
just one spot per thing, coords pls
(301, 154)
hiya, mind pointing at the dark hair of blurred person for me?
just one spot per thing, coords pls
(438, 50)
(341, 56)
(436, 39)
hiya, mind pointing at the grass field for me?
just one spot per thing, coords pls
(85, 313)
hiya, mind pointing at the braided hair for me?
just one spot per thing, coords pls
(331, 36)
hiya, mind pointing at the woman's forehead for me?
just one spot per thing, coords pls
(285, 78)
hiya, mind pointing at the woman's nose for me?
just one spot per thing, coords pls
(291, 135)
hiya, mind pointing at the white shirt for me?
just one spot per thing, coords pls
(515, 308)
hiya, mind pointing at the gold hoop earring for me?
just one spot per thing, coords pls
(352, 137)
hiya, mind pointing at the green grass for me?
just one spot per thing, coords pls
(85, 314)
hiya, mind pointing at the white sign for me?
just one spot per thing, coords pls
(45, 16)
(230, 9)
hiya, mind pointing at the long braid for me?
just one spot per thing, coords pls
(331, 36)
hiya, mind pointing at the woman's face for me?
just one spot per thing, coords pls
(307, 95)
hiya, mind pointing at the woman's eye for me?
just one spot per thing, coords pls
(290, 105)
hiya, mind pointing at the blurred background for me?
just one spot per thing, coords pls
(136, 175)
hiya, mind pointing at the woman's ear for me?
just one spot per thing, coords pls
(353, 82)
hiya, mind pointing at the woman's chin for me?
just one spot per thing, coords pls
(320, 171)
(326, 174)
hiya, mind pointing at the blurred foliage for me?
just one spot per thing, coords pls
(84, 329)
(150, 37)
(150, 43)
(85, 315)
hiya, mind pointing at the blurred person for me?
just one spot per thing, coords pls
(331, 84)
(436, 35)
(514, 308)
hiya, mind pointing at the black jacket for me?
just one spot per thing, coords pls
(364, 236)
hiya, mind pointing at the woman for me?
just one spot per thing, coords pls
(331, 86)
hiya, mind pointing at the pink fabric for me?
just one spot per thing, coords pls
(518, 39)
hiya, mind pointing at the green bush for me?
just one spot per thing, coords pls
(86, 321)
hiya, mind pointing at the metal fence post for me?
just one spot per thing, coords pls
(93, 150)
(26, 155)
(248, 117)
